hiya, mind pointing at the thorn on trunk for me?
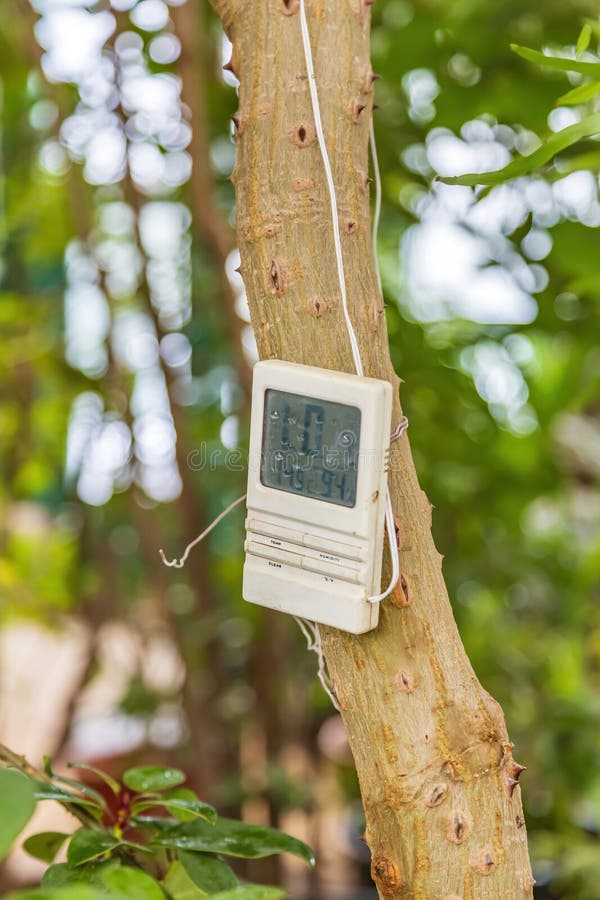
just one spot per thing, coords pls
(511, 784)
(512, 774)
(369, 79)
(357, 108)
(515, 769)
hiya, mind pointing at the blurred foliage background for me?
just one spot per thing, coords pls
(126, 354)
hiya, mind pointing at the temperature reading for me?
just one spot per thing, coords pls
(310, 447)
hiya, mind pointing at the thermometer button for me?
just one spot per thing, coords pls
(334, 547)
(276, 532)
(343, 573)
(269, 552)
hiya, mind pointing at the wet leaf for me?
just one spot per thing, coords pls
(208, 872)
(152, 778)
(87, 845)
(181, 803)
(61, 874)
(233, 838)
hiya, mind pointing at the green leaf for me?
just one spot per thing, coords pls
(594, 25)
(579, 161)
(87, 845)
(179, 885)
(61, 874)
(73, 892)
(107, 779)
(251, 892)
(51, 792)
(525, 165)
(17, 793)
(580, 94)
(583, 41)
(45, 845)
(153, 823)
(133, 883)
(182, 803)
(560, 63)
(152, 778)
(89, 792)
(232, 838)
(208, 872)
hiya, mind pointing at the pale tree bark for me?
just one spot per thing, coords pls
(437, 775)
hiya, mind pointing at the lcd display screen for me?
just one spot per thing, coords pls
(310, 447)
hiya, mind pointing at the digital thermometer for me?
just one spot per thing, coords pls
(317, 482)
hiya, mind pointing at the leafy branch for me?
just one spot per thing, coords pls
(150, 838)
(588, 127)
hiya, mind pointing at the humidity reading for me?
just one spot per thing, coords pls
(310, 447)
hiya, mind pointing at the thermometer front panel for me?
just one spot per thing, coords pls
(310, 447)
(317, 483)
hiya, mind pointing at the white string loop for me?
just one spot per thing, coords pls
(310, 630)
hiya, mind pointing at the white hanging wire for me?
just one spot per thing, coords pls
(314, 96)
(310, 631)
(179, 563)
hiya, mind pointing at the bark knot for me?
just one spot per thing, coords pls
(303, 184)
(317, 306)
(459, 827)
(386, 874)
(405, 682)
(484, 863)
(278, 275)
(437, 794)
(302, 134)
(289, 7)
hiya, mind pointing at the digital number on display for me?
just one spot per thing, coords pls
(310, 447)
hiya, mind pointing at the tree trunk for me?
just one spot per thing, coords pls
(437, 776)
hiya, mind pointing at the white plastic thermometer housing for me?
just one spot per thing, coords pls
(317, 481)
